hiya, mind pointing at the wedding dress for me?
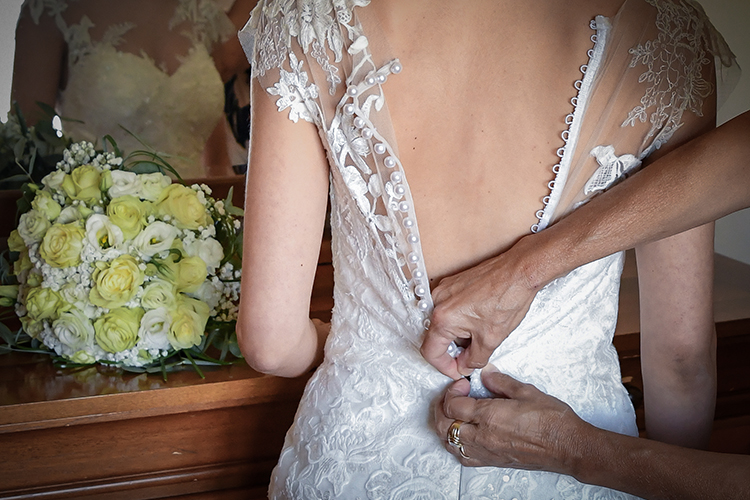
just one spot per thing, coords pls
(362, 429)
(113, 83)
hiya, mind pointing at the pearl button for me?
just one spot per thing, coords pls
(381, 78)
(418, 274)
(407, 222)
(413, 238)
(399, 190)
(396, 177)
(359, 122)
(370, 80)
(427, 324)
(367, 133)
(396, 68)
(413, 257)
(420, 290)
(423, 305)
(390, 162)
(352, 91)
(403, 206)
(349, 109)
(380, 148)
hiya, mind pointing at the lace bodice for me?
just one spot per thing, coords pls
(142, 66)
(362, 429)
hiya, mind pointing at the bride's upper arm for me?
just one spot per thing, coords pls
(285, 206)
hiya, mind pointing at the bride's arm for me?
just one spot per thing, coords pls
(285, 206)
(678, 345)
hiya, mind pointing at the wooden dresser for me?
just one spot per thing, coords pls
(94, 433)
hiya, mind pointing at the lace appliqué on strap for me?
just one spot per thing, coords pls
(311, 22)
(295, 93)
(674, 62)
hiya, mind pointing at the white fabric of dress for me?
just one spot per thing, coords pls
(362, 429)
(109, 89)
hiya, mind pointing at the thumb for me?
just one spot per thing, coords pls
(500, 384)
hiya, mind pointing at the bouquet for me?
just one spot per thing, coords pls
(117, 264)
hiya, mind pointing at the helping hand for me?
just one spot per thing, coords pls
(521, 428)
(481, 306)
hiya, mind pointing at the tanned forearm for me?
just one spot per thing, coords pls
(655, 470)
(701, 181)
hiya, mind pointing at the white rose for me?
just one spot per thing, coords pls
(74, 330)
(54, 180)
(68, 215)
(154, 238)
(101, 233)
(152, 185)
(209, 250)
(31, 227)
(208, 293)
(154, 328)
(124, 183)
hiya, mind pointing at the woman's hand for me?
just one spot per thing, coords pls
(478, 308)
(521, 428)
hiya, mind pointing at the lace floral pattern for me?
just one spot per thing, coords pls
(674, 64)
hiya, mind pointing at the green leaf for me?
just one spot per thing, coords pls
(7, 335)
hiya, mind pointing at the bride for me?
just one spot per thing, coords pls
(503, 116)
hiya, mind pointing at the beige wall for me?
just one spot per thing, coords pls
(731, 17)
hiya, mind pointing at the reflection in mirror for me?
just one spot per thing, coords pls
(146, 73)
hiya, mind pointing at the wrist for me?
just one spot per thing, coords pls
(540, 258)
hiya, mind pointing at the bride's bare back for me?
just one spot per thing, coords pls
(478, 113)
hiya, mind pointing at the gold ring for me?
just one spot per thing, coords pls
(454, 438)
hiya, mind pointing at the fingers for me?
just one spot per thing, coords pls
(435, 351)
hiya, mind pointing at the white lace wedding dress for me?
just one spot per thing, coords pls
(362, 430)
(112, 82)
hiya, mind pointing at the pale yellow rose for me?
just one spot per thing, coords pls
(31, 326)
(15, 242)
(118, 329)
(115, 283)
(159, 293)
(31, 226)
(61, 246)
(191, 273)
(129, 214)
(188, 325)
(182, 204)
(83, 184)
(105, 181)
(45, 303)
(23, 263)
(83, 358)
(44, 204)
